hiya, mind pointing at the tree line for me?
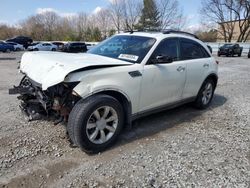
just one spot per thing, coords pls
(120, 15)
(218, 18)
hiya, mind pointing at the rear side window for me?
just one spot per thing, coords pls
(192, 50)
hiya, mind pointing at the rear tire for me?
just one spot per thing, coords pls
(92, 132)
(53, 49)
(36, 49)
(239, 55)
(205, 94)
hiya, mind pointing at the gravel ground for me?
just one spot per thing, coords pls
(182, 147)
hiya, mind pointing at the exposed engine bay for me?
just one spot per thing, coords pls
(54, 103)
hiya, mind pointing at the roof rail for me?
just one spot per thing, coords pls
(179, 32)
(142, 30)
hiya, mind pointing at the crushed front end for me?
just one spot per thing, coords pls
(54, 103)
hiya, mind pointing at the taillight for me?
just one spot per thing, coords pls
(217, 62)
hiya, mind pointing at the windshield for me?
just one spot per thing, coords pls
(128, 48)
(34, 44)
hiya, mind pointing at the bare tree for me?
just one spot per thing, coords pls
(131, 13)
(170, 15)
(214, 11)
(81, 23)
(228, 14)
(116, 12)
(241, 8)
(50, 21)
(102, 19)
(42, 25)
(7, 31)
(33, 27)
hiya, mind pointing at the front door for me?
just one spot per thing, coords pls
(163, 83)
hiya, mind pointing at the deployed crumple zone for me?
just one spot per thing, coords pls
(127, 76)
(56, 101)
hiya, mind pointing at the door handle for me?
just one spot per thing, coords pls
(180, 69)
(206, 65)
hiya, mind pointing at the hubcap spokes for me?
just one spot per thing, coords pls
(102, 124)
(207, 93)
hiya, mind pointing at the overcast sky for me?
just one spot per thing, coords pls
(12, 11)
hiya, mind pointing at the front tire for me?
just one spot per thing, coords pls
(95, 123)
(205, 94)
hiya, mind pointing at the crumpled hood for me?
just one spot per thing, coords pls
(50, 68)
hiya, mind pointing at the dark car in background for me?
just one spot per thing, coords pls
(230, 50)
(75, 47)
(249, 53)
(60, 45)
(4, 47)
(23, 40)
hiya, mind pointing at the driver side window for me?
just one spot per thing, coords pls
(167, 48)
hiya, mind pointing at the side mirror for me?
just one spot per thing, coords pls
(160, 59)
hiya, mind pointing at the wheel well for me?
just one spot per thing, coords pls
(126, 104)
(213, 77)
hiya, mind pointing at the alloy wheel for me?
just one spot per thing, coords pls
(207, 93)
(102, 125)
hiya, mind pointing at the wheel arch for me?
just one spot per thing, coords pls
(213, 77)
(122, 98)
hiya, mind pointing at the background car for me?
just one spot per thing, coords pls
(75, 47)
(249, 54)
(4, 47)
(42, 47)
(17, 47)
(59, 45)
(23, 40)
(89, 46)
(230, 50)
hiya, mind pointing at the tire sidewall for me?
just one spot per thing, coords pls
(198, 101)
(80, 133)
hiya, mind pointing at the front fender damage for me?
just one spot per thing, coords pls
(54, 103)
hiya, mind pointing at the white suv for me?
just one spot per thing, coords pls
(100, 92)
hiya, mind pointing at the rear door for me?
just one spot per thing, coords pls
(43, 46)
(198, 62)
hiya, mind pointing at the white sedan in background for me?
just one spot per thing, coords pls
(42, 47)
(17, 47)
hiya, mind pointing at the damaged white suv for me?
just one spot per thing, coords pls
(123, 78)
